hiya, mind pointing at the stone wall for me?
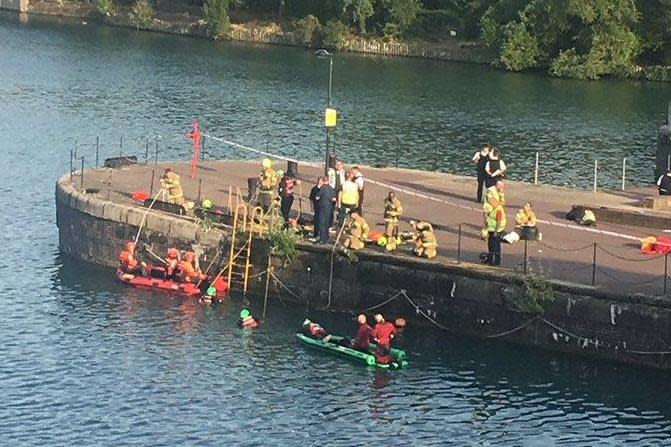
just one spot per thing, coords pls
(464, 298)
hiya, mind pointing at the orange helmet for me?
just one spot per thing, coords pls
(173, 253)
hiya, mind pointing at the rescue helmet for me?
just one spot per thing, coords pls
(306, 322)
(173, 253)
(266, 163)
(189, 256)
(207, 204)
(211, 291)
(244, 313)
(280, 173)
(382, 241)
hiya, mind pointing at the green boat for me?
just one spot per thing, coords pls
(333, 347)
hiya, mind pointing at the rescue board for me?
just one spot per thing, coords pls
(332, 347)
(186, 288)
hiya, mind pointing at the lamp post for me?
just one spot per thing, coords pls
(330, 115)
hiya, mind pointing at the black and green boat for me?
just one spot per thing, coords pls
(333, 346)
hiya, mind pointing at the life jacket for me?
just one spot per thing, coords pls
(350, 193)
(383, 333)
(127, 259)
(287, 185)
(523, 218)
(188, 269)
(494, 225)
(249, 322)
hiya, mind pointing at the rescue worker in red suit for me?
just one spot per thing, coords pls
(172, 263)
(128, 261)
(364, 335)
(383, 334)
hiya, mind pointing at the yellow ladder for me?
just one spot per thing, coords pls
(245, 224)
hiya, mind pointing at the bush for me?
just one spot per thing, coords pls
(520, 50)
(307, 29)
(142, 14)
(216, 17)
(283, 243)
(658, 73)
(333, 35)
(106, 7)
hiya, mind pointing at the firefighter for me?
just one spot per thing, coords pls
(357, 231)
(425, 239)
(392, 212)
(267, 184)
(128, 263)
(189, 268)
(171, 183)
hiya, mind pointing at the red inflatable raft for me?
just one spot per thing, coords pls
(183, 288)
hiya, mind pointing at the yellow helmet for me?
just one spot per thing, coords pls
(266, 163)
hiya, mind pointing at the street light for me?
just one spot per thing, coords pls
(330, 114)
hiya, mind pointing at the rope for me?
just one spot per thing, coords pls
(512, 331)
(277, 280)
(422, 313)
(144, 216)
(154, 254)
(623, 258)
(551, 247)
(382, 303)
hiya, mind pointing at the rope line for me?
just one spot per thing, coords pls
(382, 303)
(623, 258)
(512, 331)
(566, 250)
(144, 216)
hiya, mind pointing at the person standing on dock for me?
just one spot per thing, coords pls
(360, 183)
(664, 184)
(314, 193)
(286, 190)
(496, 226)
(337, 176)
(392, 212)
(480, 159)
(325, 204)
(171, 183)
(495, 168)
(267, 183)
(348, 199)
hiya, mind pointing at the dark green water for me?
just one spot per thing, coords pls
(85, 361)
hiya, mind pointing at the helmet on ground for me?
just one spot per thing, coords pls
(382, 241)
(173, 253)
(266, 163)
(207, 204)
(244, 313)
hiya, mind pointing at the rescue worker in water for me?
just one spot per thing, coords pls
(267, 183)
(383, 334)
(128, 263)
(392, 212)
(247, 321)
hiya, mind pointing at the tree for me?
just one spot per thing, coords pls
(357, 12)
(216, 17)
(402, 13)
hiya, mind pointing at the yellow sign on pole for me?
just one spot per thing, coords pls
(330, 117)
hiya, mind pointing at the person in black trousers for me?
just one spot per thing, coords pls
(314, 193)
(325, 204)
(480, 159)
(495, 168)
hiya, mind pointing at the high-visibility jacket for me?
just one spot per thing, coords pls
(350, 193)
(267, 180)
(492, 194)
(497, 220)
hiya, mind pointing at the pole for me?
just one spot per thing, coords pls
(398, 147)
(536, 170)
(596, 170)
(594, 265)
(330, 79)
(146, 151)
(435, 158)
(109, 183)
(668, 162)
(151, 185)
(666, 271)
(525, 255)
(97, 149)
(156, 152)
(624, 172)
(81, 177)
(72, 156)
(459, 246)
(200, 187)
(121, 147)
(202, 147)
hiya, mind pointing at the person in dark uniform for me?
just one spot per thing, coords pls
(495, 168)
(314, 192)
(286, 190)
(325, 205)
(664, 184)
(480, 159)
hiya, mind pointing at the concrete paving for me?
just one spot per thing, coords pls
(566, 251)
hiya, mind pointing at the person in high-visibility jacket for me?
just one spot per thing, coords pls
(496, 227)
(189, 269)
(357, 231)
(425, 240)
(171, 183)
(392, 212)
(267, 184)
(128, 263)
(496, 192)
(348, 197)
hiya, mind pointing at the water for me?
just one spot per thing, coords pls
(85, 361)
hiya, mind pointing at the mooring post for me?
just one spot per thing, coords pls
(156, 152)
(525, 256)
(81, 177)
(459, 246)
(97, 150)
(536, 170)
(594, 265)
(666, 271)
(200, 187)
(596, 170)
(624, 172)
(151, 185)
(146, 151)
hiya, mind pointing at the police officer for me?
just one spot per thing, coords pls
(325, 204)
(664, 184)
(480, 159)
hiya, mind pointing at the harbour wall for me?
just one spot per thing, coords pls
(463, 298)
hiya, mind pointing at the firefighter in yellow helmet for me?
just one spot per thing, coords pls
(392, 212)
(357, 231)
(171, 183)
(425, 239)
(267, 185)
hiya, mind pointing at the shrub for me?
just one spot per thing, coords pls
(520, 50)
(142, 14)
(283, 243)
(216, 17)
(307, 29)
(106, 7)
(333, 35)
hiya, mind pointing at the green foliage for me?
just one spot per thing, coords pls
(658, 73)
(357, 12)
(216, 17)
(536, 297)
(106, 7)
(142, 14)
(520, 49)
(283, 243)
(307, 29)
(402, 13)
(333, 35)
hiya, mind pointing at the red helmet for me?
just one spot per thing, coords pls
(173, 253)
